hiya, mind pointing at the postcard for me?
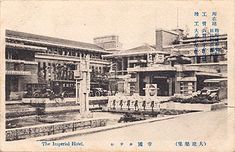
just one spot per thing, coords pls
(117, 76)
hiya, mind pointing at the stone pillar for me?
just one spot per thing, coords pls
(84, 88)
(83, 95)
(137, 84)
(122, 66)
(177, 86)
(127, 60)
(170, 86)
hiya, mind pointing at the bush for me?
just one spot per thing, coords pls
(191, 100)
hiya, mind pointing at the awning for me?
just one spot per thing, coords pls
(208, 74)
(215, 80)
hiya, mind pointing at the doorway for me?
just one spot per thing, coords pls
(162, 85)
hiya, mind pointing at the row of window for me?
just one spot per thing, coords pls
(65, 52)
(56, 71)
(187, 87)
(208, 58)
(105, 39)
(15, 54)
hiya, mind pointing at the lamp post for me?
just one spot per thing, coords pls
(82, 76)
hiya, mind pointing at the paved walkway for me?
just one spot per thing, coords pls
(210, 128)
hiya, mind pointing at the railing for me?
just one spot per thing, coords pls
(14, 67)
(137, 61)
(15, 45)
(68, 57)
(196, 68)
(18, 72)
(20, 61)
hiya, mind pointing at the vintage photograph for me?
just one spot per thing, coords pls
(117, 76)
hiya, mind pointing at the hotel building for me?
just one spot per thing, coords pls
(34, 58)
(171, 63)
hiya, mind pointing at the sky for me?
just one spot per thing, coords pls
(134, 22)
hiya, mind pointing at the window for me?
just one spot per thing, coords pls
(204, 59)
(212, 50)
(198, 59)
(73, 53)
(60, 52)
(215, 58)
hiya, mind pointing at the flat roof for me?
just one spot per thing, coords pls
(192, 43)
(140, 50)
(168, 31)
(105, 36)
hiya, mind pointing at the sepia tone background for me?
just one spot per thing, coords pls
(135, 23)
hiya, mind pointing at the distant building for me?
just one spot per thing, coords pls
(165, 37)
(110, 42)
(206, 54)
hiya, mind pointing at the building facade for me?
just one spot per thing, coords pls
(34, 58)
(121, 61)
(173, 63)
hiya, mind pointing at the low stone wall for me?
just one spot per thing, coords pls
(65, 101)
(15, 114)
(49, 129)
(154, 103)
(45, 105)
(192, 107)
(131, 103)
(218, 106)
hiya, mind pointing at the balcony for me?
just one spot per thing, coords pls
(197, 68)
(20, 61)
(137, 61)
(22, 73)
(19, 67)
(69, 58)
(27, 47)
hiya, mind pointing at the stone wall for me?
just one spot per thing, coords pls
(50, 129)
(140, 103)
